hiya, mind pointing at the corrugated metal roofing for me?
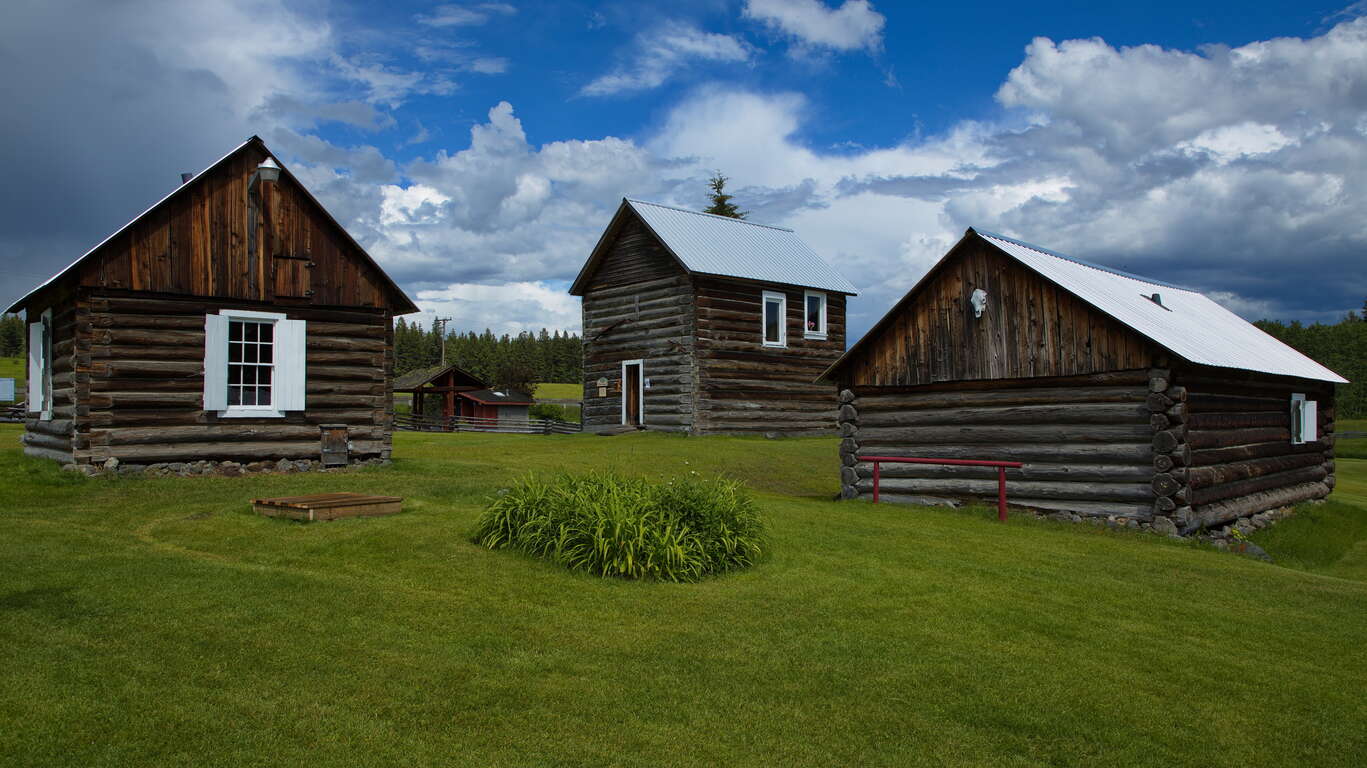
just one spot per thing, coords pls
(1188, 323)
(718, 245)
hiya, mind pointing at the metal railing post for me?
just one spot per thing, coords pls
(1001, 494)
(875, 481)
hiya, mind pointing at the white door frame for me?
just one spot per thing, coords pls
(640, 389)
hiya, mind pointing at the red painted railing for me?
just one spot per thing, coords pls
(1001, 466)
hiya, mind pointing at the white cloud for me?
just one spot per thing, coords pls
(661, 53)
(464, 15)
(852, 26)
(507, 308)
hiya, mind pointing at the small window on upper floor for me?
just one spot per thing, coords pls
(814, 315)
(775, 326)
(1304, 419)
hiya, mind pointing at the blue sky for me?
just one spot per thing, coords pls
(477, 149)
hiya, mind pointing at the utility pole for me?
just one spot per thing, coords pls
(439, 325)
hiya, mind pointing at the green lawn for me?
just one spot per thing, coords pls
(158, 622)
(15, 368)
(1355, 448)
(559, 392)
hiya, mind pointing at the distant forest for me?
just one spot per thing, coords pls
(526, 358)
(1341, 347)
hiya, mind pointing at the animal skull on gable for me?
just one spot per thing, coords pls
(979, 301)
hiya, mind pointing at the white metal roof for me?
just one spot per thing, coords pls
(1188, 323)
(718, 245)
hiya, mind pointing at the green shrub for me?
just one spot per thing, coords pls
(608, 525)
(548, 411)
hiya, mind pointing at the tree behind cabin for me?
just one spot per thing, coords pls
(721, 202)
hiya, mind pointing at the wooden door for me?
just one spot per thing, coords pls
(631, 394)
(293, 277)
(334, 448)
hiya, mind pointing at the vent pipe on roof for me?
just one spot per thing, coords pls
(1156, 298)
(185, 178)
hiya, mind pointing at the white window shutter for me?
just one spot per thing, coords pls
(215, 363)
(1310, 424)
(35, 368)
(290, 365)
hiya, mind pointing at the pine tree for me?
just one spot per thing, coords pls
(721, 202)
(11, 336)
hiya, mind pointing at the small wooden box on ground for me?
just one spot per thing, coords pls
(327, 506)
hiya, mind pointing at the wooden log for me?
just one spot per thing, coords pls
(848, 429)
(1083, 508)
(1158, 402)
(1167, 440)
(849, 459)
(55, 427)
(846, 396)
(1235, 453)
(1039, 433)
(848, 413)
(1210, 494)
(1162, 462)
(1163, 505)
(849, 475)
(1218, 474)
(1159, 422)
(881, 400)
(1138, 454)
(1164, 484)
(1159, 379)
(1177, 414)
(1222, 512)
(1177, 394)
(1089, 473)
(1214, 438)
(1239, 419)
(1182, 516)
(220, 432)
(1080, 491)
(1208, 402)
(215, 451)
(53, 442)
(54, 454)
(1073, 413)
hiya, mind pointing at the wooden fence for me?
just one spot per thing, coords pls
(474, 424)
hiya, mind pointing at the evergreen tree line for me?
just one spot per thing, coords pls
(1341, 347)
(503, 361)
(11, 336)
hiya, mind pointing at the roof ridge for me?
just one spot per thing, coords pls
(1085, 263)
(704, 213)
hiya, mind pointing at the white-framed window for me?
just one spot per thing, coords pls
(1304, 419)
(40, 366)
(774, 319)
(253, 364)
(814, 315)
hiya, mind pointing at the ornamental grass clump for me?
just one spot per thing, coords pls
(608, 525)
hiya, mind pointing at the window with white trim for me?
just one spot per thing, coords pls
(253, 364)
(774, 322)
(40, 366)
(1304, 419)
(814, 315)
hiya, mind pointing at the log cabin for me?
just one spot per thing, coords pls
(234, 320)
(443, 395)
(1123, 396)
(706, 324)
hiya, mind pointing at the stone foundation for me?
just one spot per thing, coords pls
(215, 468)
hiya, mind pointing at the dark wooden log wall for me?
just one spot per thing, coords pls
(1031, 328)
(1225, 450)
(639, 305)
(196, 244)
(747, 387)
(1085, 441)
(138, 378)
(51, 439)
